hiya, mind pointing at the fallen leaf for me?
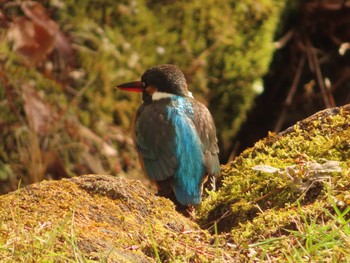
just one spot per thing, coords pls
(39, 115)
(265, 168)
(33, 36)
(326, 167)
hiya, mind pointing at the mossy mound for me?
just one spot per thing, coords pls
(288, 175)
(276, 200)
(96, 218)
(303, 172)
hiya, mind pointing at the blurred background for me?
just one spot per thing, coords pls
(259, 66)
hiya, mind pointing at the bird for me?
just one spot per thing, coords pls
(175, 135)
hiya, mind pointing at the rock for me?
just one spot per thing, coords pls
(302, 172)
(96, 217)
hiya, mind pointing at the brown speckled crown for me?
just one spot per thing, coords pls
(166, 78)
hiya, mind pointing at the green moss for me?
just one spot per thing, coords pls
(287, 198)
(251, 197)
(99, 218)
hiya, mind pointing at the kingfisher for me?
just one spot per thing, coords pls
(175, 135)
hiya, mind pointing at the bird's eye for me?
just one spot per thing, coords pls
(144, 85)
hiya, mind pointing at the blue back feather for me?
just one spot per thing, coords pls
(190, 170)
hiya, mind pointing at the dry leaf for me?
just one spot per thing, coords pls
(106, 149)
(39, 114)
(265, 168)
(33, 36)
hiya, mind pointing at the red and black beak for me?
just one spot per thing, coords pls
(135, 86)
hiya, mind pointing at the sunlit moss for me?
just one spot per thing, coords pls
(249, 197)
(99, 218)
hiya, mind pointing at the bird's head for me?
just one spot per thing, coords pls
(164, 79)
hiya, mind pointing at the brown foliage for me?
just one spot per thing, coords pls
(34, 35)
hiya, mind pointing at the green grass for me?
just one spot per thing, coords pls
(321, 238)
(38, 244)
(154, 243)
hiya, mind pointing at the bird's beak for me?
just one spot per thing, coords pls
(135, 86)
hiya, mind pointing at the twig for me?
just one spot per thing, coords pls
(197, 249)
(327, 6)
(227, 213)
(290, 95)
(280, 43)
(314, 61)
(234, 151)
(262, 198)
(80, 93)
(71, 104)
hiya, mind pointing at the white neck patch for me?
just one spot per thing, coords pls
(158, 95)
(161, 95)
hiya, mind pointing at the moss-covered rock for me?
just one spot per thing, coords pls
(98, 218)
(282, 169)
(287, 198)
(283, 180)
